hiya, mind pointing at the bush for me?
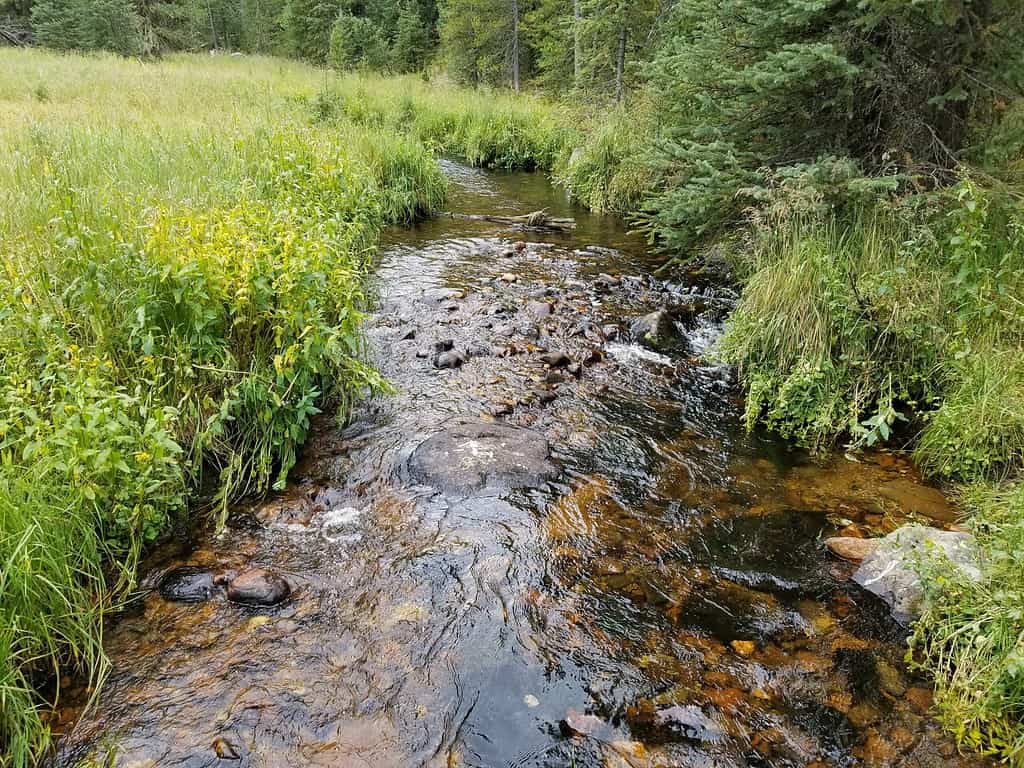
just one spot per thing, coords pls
(847, 326)
(177, 300)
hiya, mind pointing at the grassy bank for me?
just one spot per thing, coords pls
(183, 250)
(902, 323)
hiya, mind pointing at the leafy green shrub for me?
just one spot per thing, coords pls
(177, 300)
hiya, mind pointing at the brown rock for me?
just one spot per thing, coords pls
(919, 499)
(744, 648)
(877, 751)
(850, 548)
(920, 699)
(902, 738)
(258, 587)
(224, 749)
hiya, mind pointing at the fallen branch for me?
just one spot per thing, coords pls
(535, 220)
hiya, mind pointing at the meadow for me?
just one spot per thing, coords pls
(185, 244)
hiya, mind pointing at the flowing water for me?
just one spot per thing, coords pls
(654, 595)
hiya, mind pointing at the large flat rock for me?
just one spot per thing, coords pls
(891, 571)
(472, 456)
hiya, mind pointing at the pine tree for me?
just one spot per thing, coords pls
(412, 39)
(308, 25)
(357, 42)
(112, 25)
(746, 85)
(482, 41)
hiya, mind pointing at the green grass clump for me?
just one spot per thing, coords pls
(971, 636)
(908, 312)
(183, 253)
(606, 171)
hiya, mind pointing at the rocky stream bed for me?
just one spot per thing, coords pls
(552, 545)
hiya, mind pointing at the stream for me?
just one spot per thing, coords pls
(563, 550)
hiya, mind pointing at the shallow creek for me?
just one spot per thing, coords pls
(654, 594)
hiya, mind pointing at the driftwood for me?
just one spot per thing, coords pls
(535, 220)
(14, 36)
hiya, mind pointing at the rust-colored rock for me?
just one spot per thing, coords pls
(920, 699)
(850, 548)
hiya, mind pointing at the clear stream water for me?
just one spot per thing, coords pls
(664, 601)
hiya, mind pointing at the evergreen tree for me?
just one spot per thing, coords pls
(112, 25)
(308, 25)
(745, 85)
(482, 41)
(412, 39)
(551, 32)
(357, 42)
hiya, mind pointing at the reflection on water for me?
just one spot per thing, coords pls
(665, 602)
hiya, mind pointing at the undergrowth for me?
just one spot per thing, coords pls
(183, 260)
(908, 312)
(971, 636)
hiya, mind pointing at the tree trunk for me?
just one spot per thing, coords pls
(620, 64)
(577, 43)
(515, 45)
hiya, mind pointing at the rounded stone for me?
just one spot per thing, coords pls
(187, 584)
(471, 456)
(258, 587)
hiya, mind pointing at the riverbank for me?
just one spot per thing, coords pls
(185, 252)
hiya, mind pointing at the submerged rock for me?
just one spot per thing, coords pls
(540, 309)
(657, 331)
(258, 587)
(920, 499)
(891, 573)
(555, 359)
(690, 722)
(187, 584)
(473, 455)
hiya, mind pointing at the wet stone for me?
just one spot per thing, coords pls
(440, 295)
(187, 584)
(890, 571)
(540, 309)
(658, 331)
(851, 548)
(690, 722)
(258, 587)
(555, 359)
(449, 360)
(473, 455)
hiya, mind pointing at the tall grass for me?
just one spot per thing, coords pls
(183, 253)
(848, 326)
(971, 637)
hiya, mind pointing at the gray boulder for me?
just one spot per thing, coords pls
(658, 331)
(471, 456)
(258, 587)
(891, 571)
